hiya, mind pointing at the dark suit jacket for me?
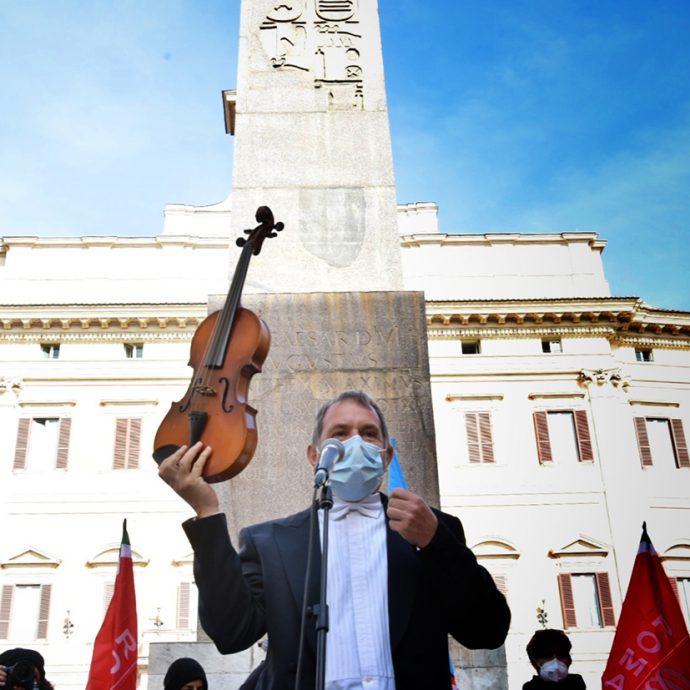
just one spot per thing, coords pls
(432, 592)
(571, 682)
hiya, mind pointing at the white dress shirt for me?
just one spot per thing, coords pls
(358, 652)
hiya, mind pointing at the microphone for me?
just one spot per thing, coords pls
(332, 451)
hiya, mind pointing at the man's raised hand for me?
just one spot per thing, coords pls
(182, 471)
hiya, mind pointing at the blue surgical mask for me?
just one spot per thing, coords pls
(553, 671)
(359, 472)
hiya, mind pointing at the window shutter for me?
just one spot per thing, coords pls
(120, 444)
(183, 605)
(63, 443)
(541, 426)
(22, 444)
(680, 444)
(471, 426)
(584, 439)
(5, 610)
(127, 443)
(134, 443)
(605, 600)
(108, 591)
(43, 611)
(485, 436)
(643, 441)
(502, 584)
(565, 587)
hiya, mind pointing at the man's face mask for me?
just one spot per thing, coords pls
(359, 472)
(553, 671)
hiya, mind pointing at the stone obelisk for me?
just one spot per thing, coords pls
(313, 143)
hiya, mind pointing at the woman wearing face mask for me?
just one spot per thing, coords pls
(549, 652)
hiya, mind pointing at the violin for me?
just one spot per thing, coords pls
(227, 349)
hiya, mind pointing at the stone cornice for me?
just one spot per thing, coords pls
(442, 239)
(95, 336)
(157, 241)
(627, 320)
(62, 322)
(514, 332)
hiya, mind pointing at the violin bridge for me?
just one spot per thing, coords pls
(204, 389)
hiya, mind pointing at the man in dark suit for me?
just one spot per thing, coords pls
(400, 577)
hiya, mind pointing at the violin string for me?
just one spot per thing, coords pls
(222, 327)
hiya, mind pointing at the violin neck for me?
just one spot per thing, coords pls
(221, 336)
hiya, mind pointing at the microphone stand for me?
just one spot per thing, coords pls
(324, 500)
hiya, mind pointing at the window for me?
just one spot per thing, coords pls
(183, 589)
(681, 585)
(42, 443)
(661, 440)
(643, 354)
(134, 350)
(50, 350)
(187, 606)
(551, 345)
(586, 600)
(501, 582)
(24, 612)
(470, 347)
(480, 447)
(108, 591)
(563, 435)
(127, 441)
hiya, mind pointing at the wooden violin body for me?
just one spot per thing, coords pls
(227, 349)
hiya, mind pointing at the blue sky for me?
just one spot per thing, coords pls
(512, 115)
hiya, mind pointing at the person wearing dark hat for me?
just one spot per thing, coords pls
(185, 674)
(24, 669)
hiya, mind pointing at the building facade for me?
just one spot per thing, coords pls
(561, 415)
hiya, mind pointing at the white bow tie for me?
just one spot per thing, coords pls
(370, 506)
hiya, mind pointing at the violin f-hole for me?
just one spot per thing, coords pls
(184, 405)
(226, 388)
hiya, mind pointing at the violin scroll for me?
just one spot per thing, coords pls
(266, 228)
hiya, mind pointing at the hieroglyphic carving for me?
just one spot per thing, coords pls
(283, 35)
(336, 10)
(327, 44)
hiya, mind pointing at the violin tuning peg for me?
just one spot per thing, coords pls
(279, 226)
(240, 241)
(248, 232)
(272, 234)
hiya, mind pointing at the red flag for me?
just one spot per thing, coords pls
(114, 660)
(651, 649)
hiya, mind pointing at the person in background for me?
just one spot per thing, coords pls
(185, 674)
(549, 652)
(24, 669)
